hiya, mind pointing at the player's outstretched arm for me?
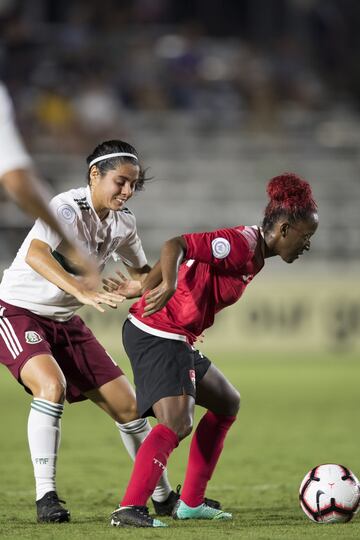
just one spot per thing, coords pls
(172, 254)
(24, 187)
(40, 259)
(26, 190)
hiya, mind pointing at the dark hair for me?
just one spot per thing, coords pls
(290, 197)
(111, 147)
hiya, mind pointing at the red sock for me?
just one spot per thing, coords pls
(149, 465)
(206, 446)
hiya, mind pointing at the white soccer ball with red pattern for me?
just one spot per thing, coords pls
(330, 494)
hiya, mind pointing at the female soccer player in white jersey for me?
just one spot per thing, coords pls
(47, 348)
(18, 177)
(198, 275)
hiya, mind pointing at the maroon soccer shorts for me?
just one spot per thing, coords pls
(85, 363)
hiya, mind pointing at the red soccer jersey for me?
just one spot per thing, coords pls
(218, 267)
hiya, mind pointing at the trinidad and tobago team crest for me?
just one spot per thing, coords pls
(32, 337)
(192, 376)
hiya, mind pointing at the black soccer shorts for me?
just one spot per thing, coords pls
(162, 367)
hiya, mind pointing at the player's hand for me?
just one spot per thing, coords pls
(123, 286)
(157, 298)
(94, 299)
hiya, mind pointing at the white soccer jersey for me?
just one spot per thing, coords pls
(115, 237)
(12, 152)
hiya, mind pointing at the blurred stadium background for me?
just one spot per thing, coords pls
(217, 97)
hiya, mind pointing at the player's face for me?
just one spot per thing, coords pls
(294, 239)
(115, 187)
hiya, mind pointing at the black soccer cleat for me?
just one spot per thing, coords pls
(134, 516)
(212, 503)
(49, 509)
(166, 507)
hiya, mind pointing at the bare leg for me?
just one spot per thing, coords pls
(176, 413)
(117, 399)
(43, 376)
(216, 393)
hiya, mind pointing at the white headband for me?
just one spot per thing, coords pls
(107, 156)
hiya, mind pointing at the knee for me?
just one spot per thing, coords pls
(128, 414)
(184, 430)
(53, 389)
(181, 426)
(233, 403)
(236, 402)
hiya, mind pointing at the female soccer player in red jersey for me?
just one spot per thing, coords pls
(50, 350)
(198, 275)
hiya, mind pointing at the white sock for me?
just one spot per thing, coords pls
(133, 433)
(44, 441)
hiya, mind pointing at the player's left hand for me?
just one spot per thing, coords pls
(123, 286)
(93, 298)
(157, 298)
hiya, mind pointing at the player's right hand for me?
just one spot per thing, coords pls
(157, 298)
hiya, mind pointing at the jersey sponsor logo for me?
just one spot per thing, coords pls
(66, 213)
(220, 248)
(192, 376)
(32, 337)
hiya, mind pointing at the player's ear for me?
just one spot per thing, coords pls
(94, 176)
(284, 229)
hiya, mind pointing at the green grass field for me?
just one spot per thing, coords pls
(296, 412)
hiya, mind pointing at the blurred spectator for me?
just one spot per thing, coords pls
(54, 113)
(96, 106)
(246, 57)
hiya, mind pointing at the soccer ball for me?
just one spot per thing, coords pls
(330, 494)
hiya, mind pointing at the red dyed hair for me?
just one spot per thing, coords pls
(290, 196)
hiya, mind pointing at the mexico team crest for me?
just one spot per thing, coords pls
(32, 337)
(192, 376)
